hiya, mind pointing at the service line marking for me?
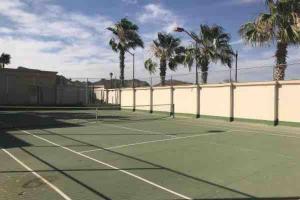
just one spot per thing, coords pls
(151, 141)
(138, 130)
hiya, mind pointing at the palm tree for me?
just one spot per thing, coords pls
(125, 37)
(5, 59)
(169, 52)
(280, 25)
(212, 46)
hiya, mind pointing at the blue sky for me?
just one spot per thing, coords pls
(70, 36)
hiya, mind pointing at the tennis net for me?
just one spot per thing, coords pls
(49, 116)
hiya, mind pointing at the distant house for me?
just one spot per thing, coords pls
(116, 83)
(23, 86)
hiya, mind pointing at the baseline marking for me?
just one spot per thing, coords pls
(62, 194)
(111, 166)
(151, 141)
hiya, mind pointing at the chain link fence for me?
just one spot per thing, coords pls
(45, 88)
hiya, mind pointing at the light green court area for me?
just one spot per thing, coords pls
(68, 155)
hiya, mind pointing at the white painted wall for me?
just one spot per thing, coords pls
(289, 102)
(250, 100)
(215, 100)
(185, 100)
(254, 101)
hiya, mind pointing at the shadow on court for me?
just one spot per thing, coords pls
(12, 121)
(96, 192)
(8, 141)
(46, 120)
(159, 166)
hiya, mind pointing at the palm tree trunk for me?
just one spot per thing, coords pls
(163, 71)
(281, 54)
(204, 73)
(122, 66)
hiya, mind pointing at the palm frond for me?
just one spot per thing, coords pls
(114, 45)
(5, 58)
(281, 24)
(125, 36)
(150, 66)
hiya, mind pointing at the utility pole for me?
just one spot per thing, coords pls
(236, 66)
(111, 82)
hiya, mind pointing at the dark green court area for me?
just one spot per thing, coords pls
(75, 154)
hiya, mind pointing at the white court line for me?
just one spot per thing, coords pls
(257, 132)
(139, 130)
(151, 141)
(111, 166)
(245, 129)
(66, 197)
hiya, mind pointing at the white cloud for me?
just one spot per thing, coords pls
(248, 1)
(162, 19)
(6, 30)
(130, 1)
(47, 37)
(243, 2)
(240, 41)
(156, 14)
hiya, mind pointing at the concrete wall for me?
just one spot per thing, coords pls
(215, 100)
(143, 99)
(185, 99)
(289, 101)
(256, 101)
(71, 95)
(161, 99)
(127, 97)
(19, 87)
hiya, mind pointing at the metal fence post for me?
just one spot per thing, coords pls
(107, 96)
(151, 96)
(134, 99)
(231, 106)
(236, 66)
(120, 97)
(276, 103)
(198, 101)
(86, 92)
(172, 109)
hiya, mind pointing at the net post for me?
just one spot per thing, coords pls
(96, 113)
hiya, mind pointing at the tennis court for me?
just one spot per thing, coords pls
(119, 154)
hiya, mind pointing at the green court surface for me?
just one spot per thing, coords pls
(69, 154)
